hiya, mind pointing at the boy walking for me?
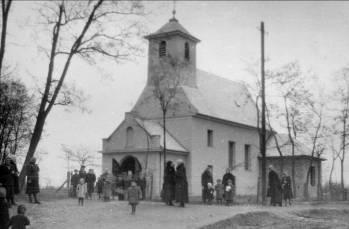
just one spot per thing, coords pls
(19, 221)
(133, 194)
(81, 191)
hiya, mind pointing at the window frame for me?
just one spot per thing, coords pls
(231, 154)
(247, 157)
(162, 48)
(209, 138)
(186, 51)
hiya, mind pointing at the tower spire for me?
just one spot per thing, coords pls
(174, 11)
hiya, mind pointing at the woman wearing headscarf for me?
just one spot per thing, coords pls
(169, 183)
(33, 180)
(286, 188)
(181, 183)
(274, 187)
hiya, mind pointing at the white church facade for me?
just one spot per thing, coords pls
(214, 123)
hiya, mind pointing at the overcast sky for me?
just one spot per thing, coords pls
(314, 33)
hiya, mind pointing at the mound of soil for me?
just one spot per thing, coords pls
(310, 219)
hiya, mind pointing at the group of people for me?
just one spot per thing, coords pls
(223, 190)
(82, 184)
(9, 187)
(175, 186)
(279, 189)
(10, 182)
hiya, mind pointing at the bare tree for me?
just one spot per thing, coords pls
(166, 81)
(80, 155)
(295, 100)
(16, 115)
(342, 125)
(82, 29)
(5, 11)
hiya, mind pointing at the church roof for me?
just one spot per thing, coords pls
(222, 98)
(171, 28)
(155, 129)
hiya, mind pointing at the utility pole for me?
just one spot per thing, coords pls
(263, 131)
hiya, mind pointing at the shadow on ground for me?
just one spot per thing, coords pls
(307, 219)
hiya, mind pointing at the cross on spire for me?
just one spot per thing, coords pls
(174, 10)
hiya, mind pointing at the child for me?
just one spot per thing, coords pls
(219, 188)
(210, 191)
(133, 194)
(229, 193)
(4, 214)
(19, 221)
(81, 190)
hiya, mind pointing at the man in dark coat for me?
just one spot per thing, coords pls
(90, 180)
(206, 177)
(181, 183)
(74, 180)
(82, 172)
(6, 178)
(169, 183)
(274, 187)
(33, 180)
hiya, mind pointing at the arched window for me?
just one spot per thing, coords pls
(162, 49)
(186, 51)
(129, 136)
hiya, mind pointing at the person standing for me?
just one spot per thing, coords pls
(228, 176)
(6, 178)
(4, 210)
(286, 188)
(74, 180)
(82, 172)
(219, 189)
(81, 191)
(90, 180)
(229, 193)
(169, 183)
(274, 187)
(134, 193)
(181, 193)
(107, 185)
(33, 180)
(206, 177)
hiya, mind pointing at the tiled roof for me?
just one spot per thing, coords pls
(222, 98)
(173, 26)
(153, 128)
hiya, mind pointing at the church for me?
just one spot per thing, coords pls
(213, 123)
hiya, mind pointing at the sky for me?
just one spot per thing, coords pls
(313, 33)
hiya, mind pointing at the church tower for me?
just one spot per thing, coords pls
(173, 41)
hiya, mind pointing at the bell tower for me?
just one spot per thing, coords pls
(173, 42)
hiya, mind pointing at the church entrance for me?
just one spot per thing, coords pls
(130, 163)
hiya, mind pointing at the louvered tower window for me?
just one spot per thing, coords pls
(162, 49)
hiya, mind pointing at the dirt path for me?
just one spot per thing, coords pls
(116, 214)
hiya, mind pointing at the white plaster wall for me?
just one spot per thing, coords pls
(202, 155)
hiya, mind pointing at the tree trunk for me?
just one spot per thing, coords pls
(5, 12)
(164, 139)
(39, 125)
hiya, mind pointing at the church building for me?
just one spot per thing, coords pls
(213, 123)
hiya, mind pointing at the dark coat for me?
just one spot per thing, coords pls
(14, 171)
(6, 178)
(134, 194)
(274, 188)
(74, 179)
(226, 177)
(82, 174)
(286, 187)
(181, 184)
(206, 177)
(4, 213)
(90, 180)
(169, 183)
(32, 178)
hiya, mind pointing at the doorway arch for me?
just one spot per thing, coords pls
(130, 163)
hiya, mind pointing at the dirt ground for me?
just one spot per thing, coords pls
(96, 214)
